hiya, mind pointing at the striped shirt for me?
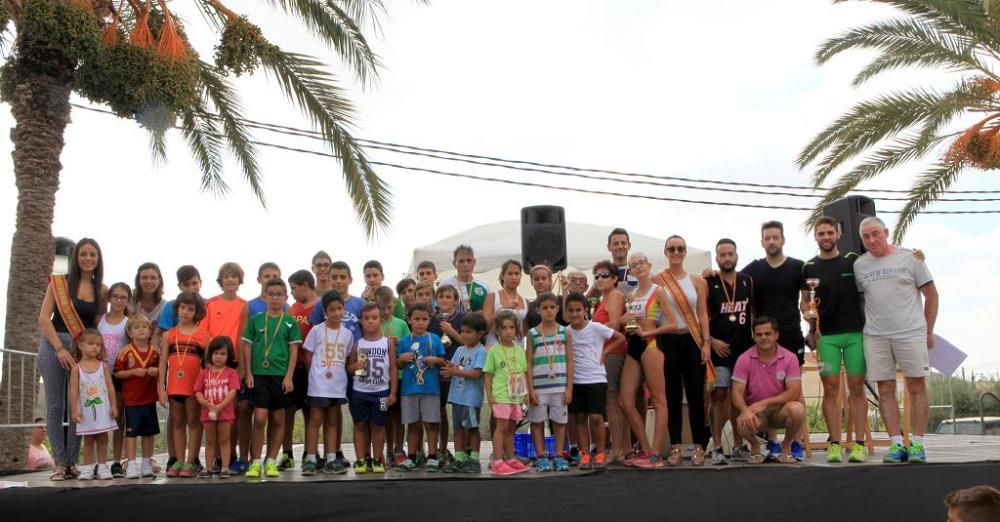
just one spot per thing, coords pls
(548, 360)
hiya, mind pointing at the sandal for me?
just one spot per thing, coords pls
(58, 474)
(785, 458)
(756, 458)
(675, 457)
(698, 457)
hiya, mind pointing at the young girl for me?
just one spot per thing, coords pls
(506, 388)
(93, 405)
(182, 350)
(507, 298)
(215, 390)
(112, 329)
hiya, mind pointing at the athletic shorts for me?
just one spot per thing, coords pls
(465, 417)
(141, 421)
(267, 393)
(300, 381)
(245, 394)
(369, 407)
(793, 341)
(590, 398)
(723, 376)
(421, 408)
(884, 354)
(181, 398)
(550, 406)
(613, 365)
(324, 402)
(507, 411)
(848, 346)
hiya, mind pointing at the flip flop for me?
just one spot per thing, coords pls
(756, 458)
(785, 458)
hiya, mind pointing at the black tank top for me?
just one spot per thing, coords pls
(85, 309)
(729, 315)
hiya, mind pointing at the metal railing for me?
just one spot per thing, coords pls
(19, 366)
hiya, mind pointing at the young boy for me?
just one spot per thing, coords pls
(303, 288)
(321, 263)
(424, 293)
(590, 381)
(266, 272)
(373, 367)
(325, 352)
(446, 323)
(426, 271)
(137, 366)
(550, 382)
(419, 354)
(392, 327)
(465, 369)
(405, 291)
(269, 351)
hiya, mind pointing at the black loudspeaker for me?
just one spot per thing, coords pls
(543, 237)
(849, 212)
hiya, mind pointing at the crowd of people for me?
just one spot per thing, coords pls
(584, 359)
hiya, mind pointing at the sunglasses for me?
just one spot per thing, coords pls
(602, 275)
(678, 249)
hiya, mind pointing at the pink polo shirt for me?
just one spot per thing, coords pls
(764, 381)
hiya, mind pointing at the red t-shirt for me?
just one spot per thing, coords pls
(601, 316)
(138, 391)
(214, 386)
(301, 314)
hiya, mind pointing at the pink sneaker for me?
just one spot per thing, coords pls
(499, 467)
(517, 466)
(635, 458)
(651, 461)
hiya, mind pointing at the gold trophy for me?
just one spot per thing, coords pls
(812, 312)
(630, 291)
(363, 359)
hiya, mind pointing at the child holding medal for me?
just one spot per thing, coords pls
(550, 382)
(268, 351)
(419, 354)
(325, 351)
(137, 366)
(216, 390)
(506, 388)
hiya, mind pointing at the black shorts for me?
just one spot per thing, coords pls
(300, 380)
(181, 398)
(267, 393)
(793, 341)
(590, 398)
(141, 421)
(367, 407)
(324, 402)
(445, 388)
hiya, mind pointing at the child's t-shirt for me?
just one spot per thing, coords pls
(503, 362)
(138, 391)
(330, 349)
(395, 329)
(214, 386)
(222, 317)
(301, 314)
(424, 345)
(351, 319)
(548, 374)
(184, 356)
(588, 343)
(465, 391)
(378, 366)
(114, 338)
(271, 340)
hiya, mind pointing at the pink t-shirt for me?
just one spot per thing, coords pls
(39, 458)
(762, 380)
(215, 386)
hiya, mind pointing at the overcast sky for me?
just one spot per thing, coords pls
(714, 90)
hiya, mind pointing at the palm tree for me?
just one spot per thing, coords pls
(134, 57)
(955, 37)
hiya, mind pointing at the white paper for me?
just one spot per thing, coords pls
(945, 357)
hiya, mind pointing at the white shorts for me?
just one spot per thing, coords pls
(884, 354)
(550, 406)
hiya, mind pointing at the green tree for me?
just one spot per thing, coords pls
(134, 57)
(878, 135)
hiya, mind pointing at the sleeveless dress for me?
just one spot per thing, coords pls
(94, 404)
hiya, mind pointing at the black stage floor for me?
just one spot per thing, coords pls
(769, 492)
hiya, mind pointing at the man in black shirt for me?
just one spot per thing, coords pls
(835, 334)
(730, 299)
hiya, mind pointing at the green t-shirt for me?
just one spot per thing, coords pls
(395, 328)
(471, 296)
(278, 333)
(400, 311)
(497, 361)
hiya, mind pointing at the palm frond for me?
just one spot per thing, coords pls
(220, 92)
(336, 28)
(158, 145)
(204, 140)
(367, 13)
(925, 191)
(953, 15)
(315, 92)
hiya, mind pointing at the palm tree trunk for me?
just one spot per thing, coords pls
(43, 80)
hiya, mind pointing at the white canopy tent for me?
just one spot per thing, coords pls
(586, 244)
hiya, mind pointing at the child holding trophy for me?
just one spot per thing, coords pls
(373, 366)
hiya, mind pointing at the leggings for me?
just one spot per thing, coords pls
(64, 440)
(685, 376)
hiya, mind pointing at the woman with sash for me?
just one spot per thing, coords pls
(72, 303)
(687, 350)
(609, 312)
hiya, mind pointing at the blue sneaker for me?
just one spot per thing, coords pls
(915, 455)
(798, 451)
(560, 464)
(897, 454)
(543, 464)
(238, 466)
(773, 450)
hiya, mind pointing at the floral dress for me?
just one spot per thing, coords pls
(95, 407)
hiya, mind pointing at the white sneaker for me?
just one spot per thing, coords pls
(132, 470)
(103, 472)
(87, 472)
(147, 468)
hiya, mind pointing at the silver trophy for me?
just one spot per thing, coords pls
(812, 312)
(631, 291)
(444, 317)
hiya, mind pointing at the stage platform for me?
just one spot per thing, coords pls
(812, 488)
